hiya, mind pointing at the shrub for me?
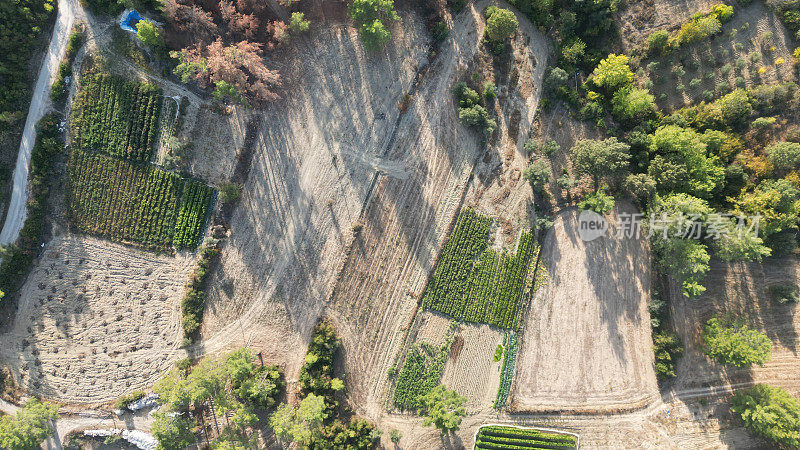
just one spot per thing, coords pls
(667, 348)
(694, 83)
(726, 69)
(784, 293)
(489, 90)
(127, 399)
(556, 78)
(632, 105)
(298, 23)
(697, 29)
(763, 122)
(769, 412)
(230, 192)
(599, 202)
(734, 343)
(550, 147)
(740, 63)
(574, 51)
(658, 42)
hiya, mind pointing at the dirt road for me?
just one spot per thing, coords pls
(39, 105)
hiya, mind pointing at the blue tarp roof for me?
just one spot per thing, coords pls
(130, 20)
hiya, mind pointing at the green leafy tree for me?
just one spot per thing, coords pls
(501, 24)
(632, 105)
(735, 107)
(226, 91)
(658, 42)
(785, 156)
(443, 409)
(682, 162)
(776, 201)
(574, 51)
(600, 159)
(298, 23)
(685, 258)
(372, 17)
(538, 174)
(173, 432)
(769, 412)
(29, 428)
(147, 32)
(640, 186)
(230, 192)
(667, 348)
(735, 344)
(613, 72)
(599, 202)
(732, 245)
(300, 424)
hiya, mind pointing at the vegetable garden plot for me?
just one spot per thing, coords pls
(421, 372)
(135, 204)
(507, 370)
(116, 116)
(503, 438)
(476, 283)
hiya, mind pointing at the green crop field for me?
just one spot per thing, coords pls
(476, 283)
(513, 438)
(135, 204)
(421, 373)
(115, 116)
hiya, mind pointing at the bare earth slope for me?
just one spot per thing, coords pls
(96, 320)
(586, 343)
(407, 220)
(741, 289)
(317, 153)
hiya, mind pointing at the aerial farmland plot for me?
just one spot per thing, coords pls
(339, 224)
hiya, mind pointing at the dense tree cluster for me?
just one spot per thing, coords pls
(316, 422)
(228, 45)
(31, 426)
(770, 412)
(233, 386)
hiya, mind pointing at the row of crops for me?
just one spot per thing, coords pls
(513, 438)
(507, 369)
(421, 373)
(135, 204)
(475, 283)
(116, 116)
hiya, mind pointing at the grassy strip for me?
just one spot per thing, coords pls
(194, 299)
(18, 258)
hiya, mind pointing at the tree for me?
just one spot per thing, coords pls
(395, 435)
(684, 156)
(147, 32)
(613, 73)
(735, 344)
(640, 186)
(600, 159)
(443, 409)
(501, 25)
(785, 156)
(298, 23)
(190, 19)
(538, 174)
(29, 428)
(735, 107)
(776, 201)
(667, 347)
(173, 431)
(632, 105)
(299, 424)
(574, 51)
(732, 245)
(686, 259)
(371, 17)
(769, 412)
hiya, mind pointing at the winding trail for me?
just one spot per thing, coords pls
(40, 102)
